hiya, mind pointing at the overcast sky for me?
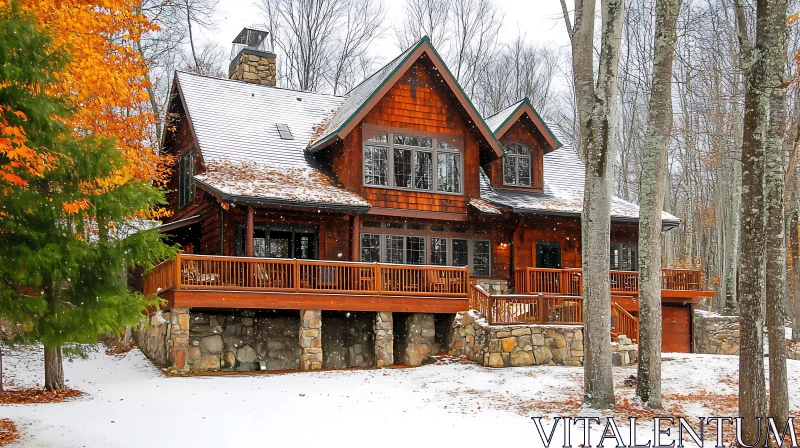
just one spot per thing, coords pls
(540, 20)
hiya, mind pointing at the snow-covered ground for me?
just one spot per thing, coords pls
(129, 403)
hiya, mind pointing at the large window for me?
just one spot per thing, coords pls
(186, 179)
(433, 250)
(517, 165)
(412, 162)
(624, 257)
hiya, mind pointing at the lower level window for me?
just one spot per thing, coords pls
(370, 248)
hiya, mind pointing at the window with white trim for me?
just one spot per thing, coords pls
(517, 165)
(370, 247)
(412, 162)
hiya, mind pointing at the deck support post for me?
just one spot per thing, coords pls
(355, 240)
(310, 339)
(178, 338)
(384, 339)
(249, 231)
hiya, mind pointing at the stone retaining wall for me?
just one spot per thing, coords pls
(525, 345)
(716, 334)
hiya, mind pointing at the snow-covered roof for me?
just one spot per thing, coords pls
(563, 192)
(357, 97)
(247, 180)
(244, 156)
(499, 121)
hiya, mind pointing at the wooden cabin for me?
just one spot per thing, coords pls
(398, 197)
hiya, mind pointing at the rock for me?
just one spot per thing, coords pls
(494, 346)
(194, 353)
(522, 358)
(496, 360)
(537, 340)
(520, 331)
(206, 363)
(509, 344)
(228, 360)
(246, 354)
(559, 341)
(543, 355)
(503, 334)
(212, 344)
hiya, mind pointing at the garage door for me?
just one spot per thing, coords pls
(676, 329)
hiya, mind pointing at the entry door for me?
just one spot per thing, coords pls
(548, 255)
(677, 329)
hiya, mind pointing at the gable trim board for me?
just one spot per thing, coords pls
(407, 59)
(525, 107)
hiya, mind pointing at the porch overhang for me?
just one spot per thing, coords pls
(278, 202)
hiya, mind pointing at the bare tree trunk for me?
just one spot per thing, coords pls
(653, 189)
(752, 387)
(795, 298)
(596, 104)
(53, 368)
(776, 286)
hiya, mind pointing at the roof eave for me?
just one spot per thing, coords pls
(666, 224)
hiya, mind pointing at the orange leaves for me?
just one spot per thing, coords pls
(13, 145)
(105, 76)
(75, 207)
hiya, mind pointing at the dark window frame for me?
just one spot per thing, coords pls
(186, 179)
(516, 157)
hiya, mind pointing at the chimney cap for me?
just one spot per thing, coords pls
(251, 39)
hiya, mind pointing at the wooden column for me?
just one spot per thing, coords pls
(355, 240)
(249, 231)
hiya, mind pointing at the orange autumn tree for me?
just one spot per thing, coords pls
(104, 80)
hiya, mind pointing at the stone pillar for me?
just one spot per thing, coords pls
(178, 338)
(310, 339)
(253, 66)
(420, 330)
(384, 340)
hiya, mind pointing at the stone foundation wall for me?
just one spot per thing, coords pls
(716, 334)
(348, 340)
(415, 337)
(384, 339)
(243, 341)
(152, 338)
(310, 339)
(624, 351)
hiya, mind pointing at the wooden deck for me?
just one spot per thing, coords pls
(207, 281)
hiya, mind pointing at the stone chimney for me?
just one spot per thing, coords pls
(252, 59)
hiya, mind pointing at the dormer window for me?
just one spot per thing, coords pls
(517, 165)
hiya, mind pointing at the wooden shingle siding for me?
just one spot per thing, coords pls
(557, 229)
(526, 133)
(423, 106)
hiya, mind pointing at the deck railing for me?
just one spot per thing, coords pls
(506, 309)
(624, 322)
(569, 282)
(210, 272)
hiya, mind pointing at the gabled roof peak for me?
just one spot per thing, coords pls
(365, 95)
(504, 119)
